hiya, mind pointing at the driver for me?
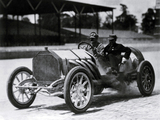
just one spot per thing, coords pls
(97, 46)
(114, 51)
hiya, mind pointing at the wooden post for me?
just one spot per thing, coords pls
(97, 22)
(40, 25)
(75, 18)
(35, 24)
(18, 26)
(112, 23)
(6, 23)
(59, 28)
(59, 19)
(79, 27)
(5, 43)
(18, 38)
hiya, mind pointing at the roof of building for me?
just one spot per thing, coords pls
(25, 7)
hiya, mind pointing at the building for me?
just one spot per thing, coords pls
(157, 19)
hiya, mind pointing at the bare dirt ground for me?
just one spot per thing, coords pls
(110, 105)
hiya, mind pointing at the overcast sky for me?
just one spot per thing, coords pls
(135, 7)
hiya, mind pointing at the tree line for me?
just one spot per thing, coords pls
(125, 21)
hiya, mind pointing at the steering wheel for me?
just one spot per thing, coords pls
(85, 45)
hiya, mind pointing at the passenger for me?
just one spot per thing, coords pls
(113, 52)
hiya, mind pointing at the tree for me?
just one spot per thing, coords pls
(125, 21)
(68, 21)
(87, 21)
(90, 21)
(148, 21)
(107, 24)
(50, 21)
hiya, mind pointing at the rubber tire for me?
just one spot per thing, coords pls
(67, 83)
(138, 54)
(10, 92)
(139, 80)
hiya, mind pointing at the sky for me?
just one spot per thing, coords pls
(135, 7)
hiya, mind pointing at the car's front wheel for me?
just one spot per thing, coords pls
(78, 89)
(20, 97)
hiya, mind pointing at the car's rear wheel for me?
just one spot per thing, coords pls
(146, 78)
(78, 89)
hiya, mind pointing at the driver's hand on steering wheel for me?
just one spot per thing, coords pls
(94, 48)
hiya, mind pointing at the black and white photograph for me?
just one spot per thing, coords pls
(79, 59)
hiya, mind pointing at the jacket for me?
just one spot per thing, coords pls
(117, 49)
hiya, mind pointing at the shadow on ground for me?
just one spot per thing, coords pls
(97, 102)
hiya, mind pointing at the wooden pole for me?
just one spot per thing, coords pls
(75, 25)
(6, 29)
(6, 23)
(18, 25)
(59, 27)
(112, 23)
(35, 24)
(40, 25)
(97, 22)
(79, 27)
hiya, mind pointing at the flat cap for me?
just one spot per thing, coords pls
(112, 36)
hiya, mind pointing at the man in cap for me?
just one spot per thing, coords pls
(97, 46)
(94, 39)
(113, 52)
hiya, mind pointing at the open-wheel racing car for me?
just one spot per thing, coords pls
(76, 75)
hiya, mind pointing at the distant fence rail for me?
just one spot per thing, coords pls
(29, 40)
(36, 40)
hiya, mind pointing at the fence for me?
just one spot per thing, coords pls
(29, 40)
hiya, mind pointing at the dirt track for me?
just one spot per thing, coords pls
(110, 105)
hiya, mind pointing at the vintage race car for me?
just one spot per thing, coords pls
(76, 75)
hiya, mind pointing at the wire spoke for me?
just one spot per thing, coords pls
(84, 83)
(26, 95)
(22, 97)
(77, 78)
(76, 102)
(80, 82)
(17, 79)
(74, 95)
(14, 84)
(85, 99)
(19, 96)
(16, 91)
(21, 76)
